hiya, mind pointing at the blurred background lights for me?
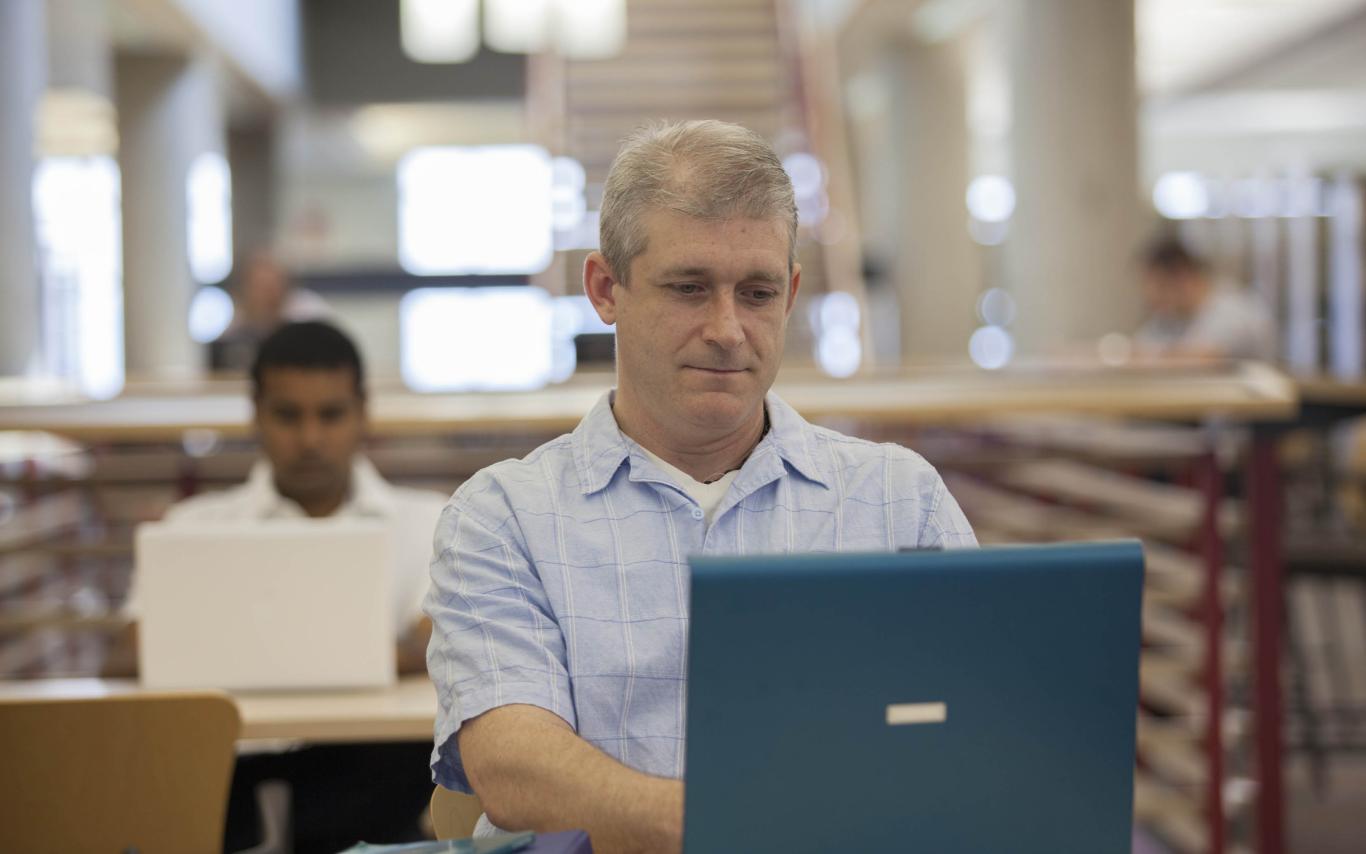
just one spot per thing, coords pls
(1181, 195)
(808, 186)
(987, 233)
(439, 31)
(209, 199)
(991, 198)
(996, 307)
(839, 352)
(571, 316)
(475, 210)
(839, 309)
(477, 339)
(806, 172)
(835, 319)
(991, 347)
(518, 26)
(589, 29)
(567, 180)
(1254, 198)
(210, 314)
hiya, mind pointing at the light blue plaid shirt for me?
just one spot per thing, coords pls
(561, 580)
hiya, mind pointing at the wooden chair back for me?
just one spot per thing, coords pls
(454, 814)
(143, 771)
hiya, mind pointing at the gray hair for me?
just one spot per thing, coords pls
(704, 169)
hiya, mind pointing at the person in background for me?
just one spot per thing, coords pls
(559, 581)
(308, 390)
(1194, 315)
(264, 298)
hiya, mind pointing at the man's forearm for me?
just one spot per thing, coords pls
(532, 772)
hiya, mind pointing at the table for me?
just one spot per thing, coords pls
(1241, 391)
(1245, 393)
(403, 712)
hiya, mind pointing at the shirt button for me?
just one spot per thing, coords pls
(697, 513)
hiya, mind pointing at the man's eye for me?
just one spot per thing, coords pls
(688, 288)
(761, 296)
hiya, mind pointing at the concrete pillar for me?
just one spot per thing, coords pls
(170, 111)
(936, 267)
(79, 52)
(251, 157)
(1074, 142)
(22, 73)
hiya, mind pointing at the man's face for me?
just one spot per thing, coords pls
(310, 422)
(700, 326)
(1174, 293)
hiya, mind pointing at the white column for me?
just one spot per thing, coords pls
(22, 73)
(1347, 281)
(1074, 142)
(936, 267)
(251, 157)
(170, 111)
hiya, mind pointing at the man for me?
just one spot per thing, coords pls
(559, 585)
(1192, 316)
(308, 388)
(263, 300)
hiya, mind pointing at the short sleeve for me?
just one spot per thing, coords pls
(495, 641)
(946, 527)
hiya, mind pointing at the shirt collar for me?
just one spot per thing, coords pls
(371, 494)
(600, 448)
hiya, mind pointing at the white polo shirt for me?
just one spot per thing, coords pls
(413, 513)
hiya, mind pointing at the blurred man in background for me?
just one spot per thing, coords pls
(308, 388)
(1194, 315)
(263, 299)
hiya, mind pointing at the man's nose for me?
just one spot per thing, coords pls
(723, 327)
(310, 433)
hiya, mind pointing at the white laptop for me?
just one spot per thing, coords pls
(287, 605)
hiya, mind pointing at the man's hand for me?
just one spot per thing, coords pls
(533, 772)
(411, 654)
(121, 655)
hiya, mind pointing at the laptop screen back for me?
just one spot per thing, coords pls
(284, 605)
(958, 701)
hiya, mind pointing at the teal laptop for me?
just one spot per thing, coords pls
(980, 701)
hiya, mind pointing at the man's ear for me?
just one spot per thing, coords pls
(793, 285)
(598, 282)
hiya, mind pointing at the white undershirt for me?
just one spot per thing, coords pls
(707, 495)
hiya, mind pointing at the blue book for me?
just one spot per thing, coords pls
(564, 842)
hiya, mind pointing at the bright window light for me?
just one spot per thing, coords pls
(439, 31)
(590, 29)
(991, 347)
(79, 231)
(1181, 195)
(518, 26)
(475, 210)
(477, 339)
(573, 316)
(568, 179)
(208, 191)
(991, 198)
